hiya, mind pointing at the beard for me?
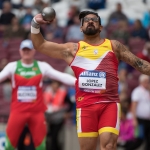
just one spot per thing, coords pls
(90, 30)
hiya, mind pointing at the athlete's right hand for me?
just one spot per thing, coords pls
(39, 19)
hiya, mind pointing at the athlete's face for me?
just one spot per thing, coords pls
(91, 25)
(27, 54)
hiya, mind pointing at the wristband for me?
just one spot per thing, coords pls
(35, 27)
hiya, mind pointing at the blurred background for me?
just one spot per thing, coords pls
(127, 21)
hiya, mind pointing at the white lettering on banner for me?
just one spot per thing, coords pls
(27, 93)
(91, 81)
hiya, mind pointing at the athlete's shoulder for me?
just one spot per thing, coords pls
(44, 66)
(43, 63)
(12, 64)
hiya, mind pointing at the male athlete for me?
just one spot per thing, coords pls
(27, 107)
(95, 64)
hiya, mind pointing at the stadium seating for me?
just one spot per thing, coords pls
(136, 45)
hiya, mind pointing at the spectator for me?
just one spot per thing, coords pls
(70, 126)
(126, 125)
(117, 15)
(14, 30)
(74, 32)
(25, 140)
(39, 5)
(6, 15)
(55, 96)
(145, 53)
(54, 31)
(122, 74)
(139, 31)
(96, 4)
(121, 33)
(26, 19)
(146, 19)
(141, 108)
(127, 138)
(1, 3)
(73, 11)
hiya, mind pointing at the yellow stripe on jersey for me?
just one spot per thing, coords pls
(94, 52)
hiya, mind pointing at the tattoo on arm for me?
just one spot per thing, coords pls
(75, 47)
(125, 55)
(68, 52)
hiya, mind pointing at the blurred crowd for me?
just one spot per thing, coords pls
(134, 88)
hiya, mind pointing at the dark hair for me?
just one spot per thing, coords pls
(85, 13)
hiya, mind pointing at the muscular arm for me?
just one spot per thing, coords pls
(62, 51)
(55, 50)
(124, 54)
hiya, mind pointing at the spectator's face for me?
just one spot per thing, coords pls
(27, 54)
(29, 10)
(6, 7)
(55, 86)
(91, 25)
(137, 24)
(119, 7)
(146, 83)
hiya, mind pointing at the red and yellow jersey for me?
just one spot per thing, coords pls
(95, 68)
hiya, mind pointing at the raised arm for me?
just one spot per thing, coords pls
(62, 51)
(124, 54)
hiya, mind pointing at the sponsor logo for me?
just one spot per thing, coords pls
(84, 47)
(20, 69)
(93, 74)
(80, 98)
(27, 73)
(34, 69)
(95, 51)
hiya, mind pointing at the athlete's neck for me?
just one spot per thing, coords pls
(27, 61)
(93, 40)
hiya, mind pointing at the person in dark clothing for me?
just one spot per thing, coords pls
(25, 140)
(6, 16)
(117, 15)
(59, 107)
(139, 31)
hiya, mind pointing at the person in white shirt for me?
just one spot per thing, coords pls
(141, 108)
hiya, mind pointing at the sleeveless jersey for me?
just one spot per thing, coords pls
(27, 94)
(95, 68)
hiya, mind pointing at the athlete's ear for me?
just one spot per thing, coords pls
(100, 28)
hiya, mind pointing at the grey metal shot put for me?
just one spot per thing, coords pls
(48, 13)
